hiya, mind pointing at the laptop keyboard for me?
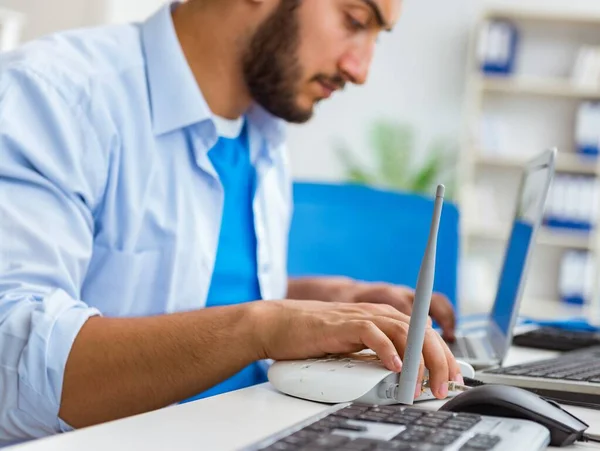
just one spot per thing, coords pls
(361, 428)
(465, 347)
(579, 366)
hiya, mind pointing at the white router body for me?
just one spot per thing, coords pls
(358, 378)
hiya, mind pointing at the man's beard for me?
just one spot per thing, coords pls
(272, 71)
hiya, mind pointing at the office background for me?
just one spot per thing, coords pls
(424, 88)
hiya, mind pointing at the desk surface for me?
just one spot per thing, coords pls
(229, 421)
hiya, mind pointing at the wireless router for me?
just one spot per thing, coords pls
(362, 377)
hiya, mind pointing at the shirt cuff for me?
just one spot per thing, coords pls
(55, 323)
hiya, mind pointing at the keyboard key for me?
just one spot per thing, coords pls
(410, 435)
(364, 444)
(399, 446)
(294, 440)
(305, 434)
(280, 446)
(350, 414)
(329, 442)
(430, 422)
(388, 410)
(536, 374)
(481, 442)
(351, 427)
(442, 439)
(375, 417)
(400, 420)
(319, 428)
(443, 415)
(356, 447)
(577, 377)
(407, 446)
(414, 412)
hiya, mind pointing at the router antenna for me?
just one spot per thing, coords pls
(418, 321)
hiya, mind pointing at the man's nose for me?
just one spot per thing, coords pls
(355, 64)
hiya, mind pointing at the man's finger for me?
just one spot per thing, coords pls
(369, 334)
(443, 313)
(438, 364)
(453, 367)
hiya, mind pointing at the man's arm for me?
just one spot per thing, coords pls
(326, 289)
(122, 367)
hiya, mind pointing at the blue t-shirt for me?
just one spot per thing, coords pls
(235, 279)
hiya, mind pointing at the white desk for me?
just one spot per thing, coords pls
(229, 422)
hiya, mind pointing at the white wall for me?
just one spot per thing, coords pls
(47, 16)
(131, 10)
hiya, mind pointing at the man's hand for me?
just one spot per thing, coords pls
(349, 291)
(291, 330)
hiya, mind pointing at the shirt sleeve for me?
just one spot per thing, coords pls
(50, 180)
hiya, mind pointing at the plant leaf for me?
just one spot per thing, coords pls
(354, 171)
(392, 144)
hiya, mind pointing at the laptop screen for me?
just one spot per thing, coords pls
(528, 216)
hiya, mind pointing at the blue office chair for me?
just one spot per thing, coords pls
(371, 235)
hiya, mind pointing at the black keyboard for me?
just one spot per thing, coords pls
(556, 339)
(361, 428)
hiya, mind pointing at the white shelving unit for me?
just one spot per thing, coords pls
(538, 103)
(538, 87)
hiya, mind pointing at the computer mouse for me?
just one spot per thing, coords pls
(513, 402)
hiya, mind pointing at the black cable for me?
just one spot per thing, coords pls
(590, 438)
(469, 382)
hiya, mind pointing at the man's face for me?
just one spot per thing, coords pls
(307, 49)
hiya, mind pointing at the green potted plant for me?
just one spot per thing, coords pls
(395, 166)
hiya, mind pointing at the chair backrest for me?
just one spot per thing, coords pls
(370, 235)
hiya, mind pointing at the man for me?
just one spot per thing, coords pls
(143, 178)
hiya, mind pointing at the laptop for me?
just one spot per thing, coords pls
(487, 346)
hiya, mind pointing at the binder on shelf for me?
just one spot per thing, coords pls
(586, 70)
(587, 132)
(572, 203)
(498, 43)
(576, 279)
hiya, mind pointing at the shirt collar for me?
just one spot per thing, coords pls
(176, 100)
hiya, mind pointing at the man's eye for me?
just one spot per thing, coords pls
(355, 24)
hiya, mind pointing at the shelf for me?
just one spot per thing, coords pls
(545, 237)
(537, 15)
(566, 162)
(537, 86)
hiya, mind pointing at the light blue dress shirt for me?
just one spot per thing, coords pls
(109, 203)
